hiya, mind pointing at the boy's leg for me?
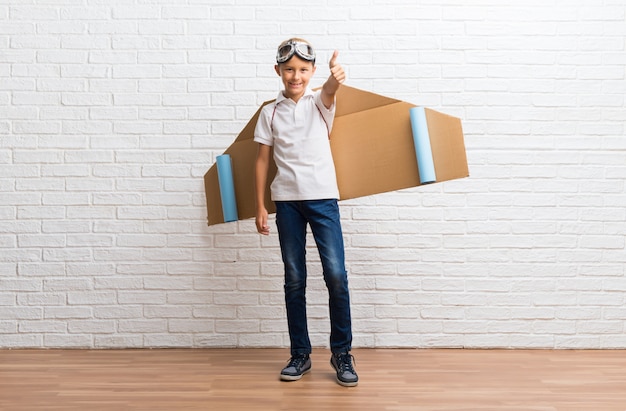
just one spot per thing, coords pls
(324, 219)
(292, 236)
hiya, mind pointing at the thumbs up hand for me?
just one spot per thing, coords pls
(330, 87)
(336, 71)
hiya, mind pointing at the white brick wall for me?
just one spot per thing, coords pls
(111, 113)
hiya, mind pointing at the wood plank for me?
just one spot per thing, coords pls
(247, 379)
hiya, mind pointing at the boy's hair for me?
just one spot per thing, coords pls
(295, 40)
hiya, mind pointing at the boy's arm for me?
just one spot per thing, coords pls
(330, 87)
(260, 178)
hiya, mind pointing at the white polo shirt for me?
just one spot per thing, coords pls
(299, 133)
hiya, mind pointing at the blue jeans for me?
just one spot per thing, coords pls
(322, 216)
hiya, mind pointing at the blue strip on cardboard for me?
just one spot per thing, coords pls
(227, 187)
(425, 163)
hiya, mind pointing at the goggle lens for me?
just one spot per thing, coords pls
(302, 49)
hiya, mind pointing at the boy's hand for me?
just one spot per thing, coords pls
(261, 222)
(330, 87)
(336, 71)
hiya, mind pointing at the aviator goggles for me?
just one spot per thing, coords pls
(302, 49)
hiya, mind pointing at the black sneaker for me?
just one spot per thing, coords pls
(342, 363)
(298, 366)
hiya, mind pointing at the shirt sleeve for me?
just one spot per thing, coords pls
(263, 129)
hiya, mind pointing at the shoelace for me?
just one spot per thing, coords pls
(297, 362)
(344, 362)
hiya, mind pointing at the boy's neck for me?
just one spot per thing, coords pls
(295, 97)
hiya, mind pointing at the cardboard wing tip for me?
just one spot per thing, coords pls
(448, 146)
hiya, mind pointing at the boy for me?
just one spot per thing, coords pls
(305, 192)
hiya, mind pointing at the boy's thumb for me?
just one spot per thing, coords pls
(333, 59)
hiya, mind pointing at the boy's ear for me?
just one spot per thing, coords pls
(277, 68)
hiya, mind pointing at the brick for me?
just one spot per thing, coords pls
(141, 297)
(91, 298)
(118, 341)
(168, 340)
(81, 341)
(91, 326)
(166, 311)
(42, 327)
(8, 327)
(21, 340)
(33, 13)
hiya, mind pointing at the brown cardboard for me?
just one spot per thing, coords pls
(372, 146)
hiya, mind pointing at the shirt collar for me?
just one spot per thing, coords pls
(307, 93)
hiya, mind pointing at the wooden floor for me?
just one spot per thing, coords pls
(247, 379)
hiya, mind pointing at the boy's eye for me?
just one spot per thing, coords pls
(293, 69)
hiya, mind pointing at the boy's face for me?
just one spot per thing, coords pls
(295, 74)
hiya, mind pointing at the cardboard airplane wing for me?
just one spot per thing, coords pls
(375, 147)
